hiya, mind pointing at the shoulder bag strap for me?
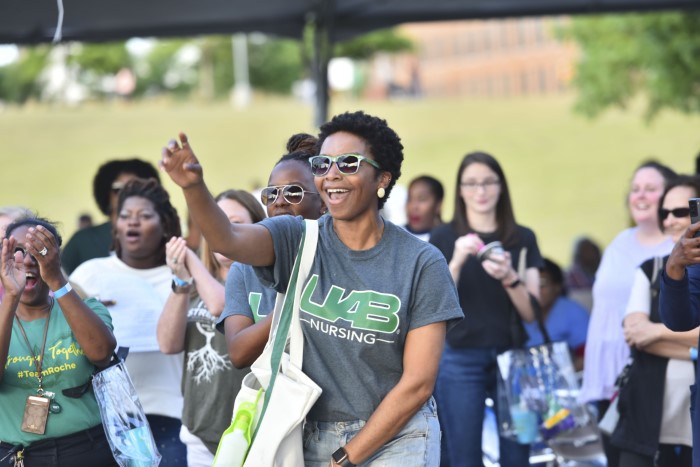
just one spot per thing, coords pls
(289, 312)
(296, 336)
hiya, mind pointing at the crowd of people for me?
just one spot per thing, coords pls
(403, 325)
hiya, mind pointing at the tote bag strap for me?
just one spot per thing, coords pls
(289, 312)
(296, 336)
(307, 250)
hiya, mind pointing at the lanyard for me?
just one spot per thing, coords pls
(38, 364)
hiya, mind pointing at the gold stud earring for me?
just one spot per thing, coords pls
(381, 193)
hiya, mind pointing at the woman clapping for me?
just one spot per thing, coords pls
(47, 344)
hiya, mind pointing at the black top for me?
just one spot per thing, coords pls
(485, 303)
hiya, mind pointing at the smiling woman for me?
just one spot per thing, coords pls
(376, 405)
(136, 282)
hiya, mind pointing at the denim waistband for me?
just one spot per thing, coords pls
(91, 434)
(430, 408)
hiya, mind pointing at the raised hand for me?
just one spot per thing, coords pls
(12, 269)
(42, 245)
(180, 163)
(176, 257)
(685, 253)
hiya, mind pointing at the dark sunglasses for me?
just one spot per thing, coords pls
(293, 194)
(678, 213)
(348, 164)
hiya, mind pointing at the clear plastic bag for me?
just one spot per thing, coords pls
(123, 418)
(537, 394)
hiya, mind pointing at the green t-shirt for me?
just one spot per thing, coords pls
(64, 366)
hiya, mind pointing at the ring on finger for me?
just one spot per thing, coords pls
(44, 251)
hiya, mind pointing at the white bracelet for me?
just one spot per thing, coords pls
(62, 291)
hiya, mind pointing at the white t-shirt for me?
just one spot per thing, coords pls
(606, 350)
(680, 375)
(139, 296)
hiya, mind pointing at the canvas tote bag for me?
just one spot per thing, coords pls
(287, 393)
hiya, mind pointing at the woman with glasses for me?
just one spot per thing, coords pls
(606, 350)
(654, 428)
(50, 340)
(376, 303)
(495, 301)
(290, 191)
(135, 283)
(186, 327)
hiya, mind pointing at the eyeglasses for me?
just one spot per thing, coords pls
(678, 213)
(293, 194)
(486, 185)
(117, 187)
(348, 164)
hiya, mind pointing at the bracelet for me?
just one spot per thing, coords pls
(513, 284)
(62, 291)
(181, 282)
(183, 289)
(693, 353)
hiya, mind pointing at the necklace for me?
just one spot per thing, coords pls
(38, 363)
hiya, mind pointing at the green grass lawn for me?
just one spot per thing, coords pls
(568, 175)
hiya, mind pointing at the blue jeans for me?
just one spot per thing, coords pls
(465, 378)
(416, 445)
(166, 433)
(88, 447)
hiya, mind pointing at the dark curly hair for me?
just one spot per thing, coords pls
(383, 142)
(151, 190)
(108, 173)
(300, 147)
(34, 220)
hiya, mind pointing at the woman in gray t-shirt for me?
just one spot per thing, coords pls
(374, 309)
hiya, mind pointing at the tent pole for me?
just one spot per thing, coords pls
(322, 56)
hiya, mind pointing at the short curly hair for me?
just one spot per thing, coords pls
(384, 144)
(108, 173)
(151, 190)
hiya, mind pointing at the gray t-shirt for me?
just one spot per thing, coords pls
(357, 308)
(245, 295)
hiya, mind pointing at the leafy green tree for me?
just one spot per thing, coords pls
(102, 59)
(366, 46)
(19, 81)
(274, 64)
(624, 56)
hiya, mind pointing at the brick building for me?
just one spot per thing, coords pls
(506, 57)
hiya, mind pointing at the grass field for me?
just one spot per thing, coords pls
(568, 176)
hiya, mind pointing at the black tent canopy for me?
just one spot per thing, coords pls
(34, 21)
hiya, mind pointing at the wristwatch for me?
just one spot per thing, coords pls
(340, 457)
(514, 284)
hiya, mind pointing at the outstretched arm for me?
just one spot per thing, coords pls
(245, 243)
